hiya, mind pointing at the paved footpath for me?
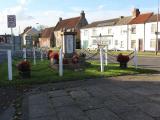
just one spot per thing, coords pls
(98, 99)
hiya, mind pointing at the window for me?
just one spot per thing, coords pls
(152, 43)
(153, 28)
(121, 44)
(28, 37)
(133, 44)
(94, 32)
(116, 42)
(109, 42)
(133, 29)
(86, 33)
(109, 31)
(94, 42)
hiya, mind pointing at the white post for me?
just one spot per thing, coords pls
(101, 60)
(41, 55)
(60, 63)
(34, 56)
(135, 59)
(106, 55)
(24, 54)
(9, 65)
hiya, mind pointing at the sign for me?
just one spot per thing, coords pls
(69, 43)
(11, 19)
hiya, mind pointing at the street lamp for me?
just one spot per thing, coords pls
(156, 51)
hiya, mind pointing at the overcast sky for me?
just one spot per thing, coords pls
(47, 12)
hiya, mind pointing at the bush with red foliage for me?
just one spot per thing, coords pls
(24, 66)
(49, 53)
(122, 58)
(75, 59)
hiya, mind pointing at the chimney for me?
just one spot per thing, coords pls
(82, 14)
(60, 19)
(135, 12)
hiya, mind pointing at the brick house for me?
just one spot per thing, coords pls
(69, 24)
(47, 37)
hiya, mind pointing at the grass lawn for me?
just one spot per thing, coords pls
(42, 73)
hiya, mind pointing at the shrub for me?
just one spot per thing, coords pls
(49, 53)
(122, 58)
(24, 66)
(75, 59)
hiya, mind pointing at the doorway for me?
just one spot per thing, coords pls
(140, 48)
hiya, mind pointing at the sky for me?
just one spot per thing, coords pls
(47, 12)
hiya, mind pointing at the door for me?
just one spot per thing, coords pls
(140, 48)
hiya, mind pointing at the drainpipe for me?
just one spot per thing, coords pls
(127, 37)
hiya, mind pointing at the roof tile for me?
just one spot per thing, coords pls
(142, 18)
(67, 23)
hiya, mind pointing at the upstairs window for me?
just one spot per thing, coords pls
(133, 29)
(94, 32)
(109, 31)
(85, 32)
(153, 28)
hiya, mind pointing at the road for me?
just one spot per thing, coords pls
(148, 62)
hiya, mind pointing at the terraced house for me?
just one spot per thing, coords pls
(122, 33)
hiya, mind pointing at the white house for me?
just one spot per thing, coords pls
(98, 33)
(124, 33)
(150, 30)
(137, 27)
(121, 33)
(27, 36)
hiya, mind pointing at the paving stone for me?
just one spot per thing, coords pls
(143, 91)
(134, 114)
(152, 109)
(98, 92)
(79, 94)
(117, 105)
(155, 97)
(38, 99)
(70, 113)
(101, 114)
(132, 98)
(46, 118)
(8, 114)
(40, 111)
(62, 101)
(88, 104)
(57, 93)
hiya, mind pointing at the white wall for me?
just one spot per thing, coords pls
(149, 35)
(121, 34)
(143, 31)
(88, 35)
(139, 35)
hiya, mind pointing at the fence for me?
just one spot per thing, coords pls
(34, 54)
